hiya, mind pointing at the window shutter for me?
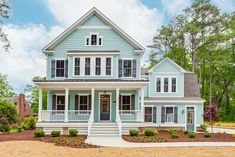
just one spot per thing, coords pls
(119, 68)
(134, 68)
(53, 102)
(66, 68)
(176, 114)
(163, 120)
(155, 114)
(133, 102)
(120, 99)
(52, 68)
(76, 102)
(89, 102)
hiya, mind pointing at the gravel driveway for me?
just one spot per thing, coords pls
(42, 149)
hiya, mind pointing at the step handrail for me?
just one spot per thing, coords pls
(119, 124)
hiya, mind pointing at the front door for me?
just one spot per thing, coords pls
(105, 107)
(190, 118)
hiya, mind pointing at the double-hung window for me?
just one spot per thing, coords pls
(150, 114)
(83, 102)
(97, 66)
(173, 84)
(60, 68)
(127, 67)
(165, 84)
(158, 84)
(93, 39)
(87, 66)
(60, 102)
(169, 114)
(76, 66)
(108, 66)
(126, 102)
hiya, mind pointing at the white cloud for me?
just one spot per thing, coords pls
(225, 5)
(25, 60)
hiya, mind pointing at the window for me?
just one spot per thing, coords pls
(100, 41)
(170, 114)
(165, 84)
(83, 102)
(93, 39)
(108, 66)
(126, 102)
(60, 102)
(158, 84)
(76, 66)
(60, 68)
(97, 66)
(150, 114)
(173, 84)
(87, 41)
(87, 66)
(127, 68)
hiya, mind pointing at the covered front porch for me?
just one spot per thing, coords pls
(92, 101)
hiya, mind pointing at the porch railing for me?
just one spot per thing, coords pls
(91, 119)
(130, 115)
(119, 124)
(59, 115)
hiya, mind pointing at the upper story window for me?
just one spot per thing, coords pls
(97, 66)
(76, 66)
(94, 40)
(127, 68)
(108, 66)
(173, 84)
(166, 85)
(87, 66)
(158, 84)
(60, 68)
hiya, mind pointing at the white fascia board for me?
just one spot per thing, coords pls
(174, 101)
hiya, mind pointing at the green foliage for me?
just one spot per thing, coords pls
(203, 127)
(150, 132)
(19, 128)
(191, 134)
(73, 132)
(207, 134)
(173, 132)
(55, 133)
(5, 89)
(174, 135)
(8, 115)
(186, 131)
(167, 130)
(133, 132)
(29, 123)
(39, 133)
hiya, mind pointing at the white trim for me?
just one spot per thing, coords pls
(83, 94)
(97, 39)
(195, 116)
(74, 66)
(152, 106)
(129, 59)
(110, 107)
(174, 101)
(79, 22)
(60, 104)
(169, 85)
(56, 67)
(126, 94)
(173, 106)
(93, 53)
(94, 27)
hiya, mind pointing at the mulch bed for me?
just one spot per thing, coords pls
(75, 142)
(166, 137)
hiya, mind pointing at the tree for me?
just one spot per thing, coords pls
(211, 114)
(5, 89)
(8, 115)
(34, 95)
(4, 14)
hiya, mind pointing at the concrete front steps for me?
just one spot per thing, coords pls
(104, 129)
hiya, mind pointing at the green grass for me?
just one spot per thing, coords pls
(13, 130)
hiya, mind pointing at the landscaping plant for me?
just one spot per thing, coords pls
(29, 123)
(211, 114)
(19, 128)
(191, 134)
(207, 134)
(186, 131)
(175, 135)
(133, 132)
(150, 132)
(55, 133)
(39, 133)
(73, 132)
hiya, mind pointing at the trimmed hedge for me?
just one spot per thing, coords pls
(133, 132)
(150, 132)
(73, 132)
(39, 133)
(55, 133)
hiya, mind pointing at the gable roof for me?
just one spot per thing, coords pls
(169, 61)
(94, 11)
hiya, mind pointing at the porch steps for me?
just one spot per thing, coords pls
(104, 130)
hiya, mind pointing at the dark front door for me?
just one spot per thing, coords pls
(105, 107)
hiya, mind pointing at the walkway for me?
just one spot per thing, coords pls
(119, 142)
(221, 130)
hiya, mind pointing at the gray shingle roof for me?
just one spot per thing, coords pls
(191, 87)
(144, 71)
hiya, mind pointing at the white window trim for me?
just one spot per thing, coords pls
(83, 94)
(74, 66)
(100, 66)
(56, 67)
(58, 94)
(87, 66)
(169, 84)
(111, 64)
(123, 67)
(125, 94)
(152, 106)
(98, 36)
(173, 114)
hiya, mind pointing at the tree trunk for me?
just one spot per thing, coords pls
(210, 97)
(193, 54)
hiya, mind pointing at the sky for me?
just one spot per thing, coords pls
(34, 23)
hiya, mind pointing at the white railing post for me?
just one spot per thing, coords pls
(40, 105)
(92, 102)
(117, 103)
(142, 105)
(66, 119)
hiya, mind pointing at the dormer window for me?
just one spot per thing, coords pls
(93, 40)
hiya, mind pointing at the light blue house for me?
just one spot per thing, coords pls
(95, 84)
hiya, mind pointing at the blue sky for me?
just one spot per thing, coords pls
(34, 23)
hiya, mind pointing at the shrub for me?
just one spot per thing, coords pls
(133, 132)
(73, 132)
(4, 128)
(186, 131)
(150, 132)
(203, 127)
(167, 130)
(191, 134)
(55, 133)
(175, 135)
(19, 128)
(207, 134)
(173, 132)
(29, 123)
(39, 133)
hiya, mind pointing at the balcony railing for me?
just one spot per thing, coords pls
(59, 115)
(130, 115)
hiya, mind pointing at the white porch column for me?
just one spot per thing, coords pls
(40, 105)
(142, 105)
(92, 102)
(117, 102)
(66, 119)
